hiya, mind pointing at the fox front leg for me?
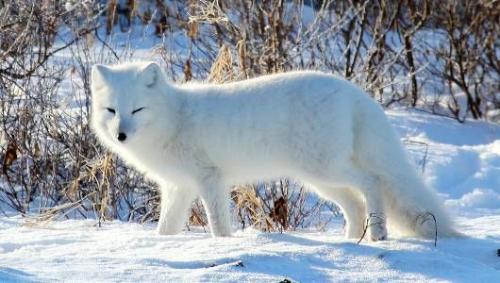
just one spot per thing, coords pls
(175, 203)
(215, 198)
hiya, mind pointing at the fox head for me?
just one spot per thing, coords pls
(125, 100)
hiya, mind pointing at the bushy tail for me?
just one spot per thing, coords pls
(410, 205)
(412, 208)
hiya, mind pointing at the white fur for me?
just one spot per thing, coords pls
(201, 139)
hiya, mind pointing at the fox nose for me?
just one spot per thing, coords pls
(121, 136)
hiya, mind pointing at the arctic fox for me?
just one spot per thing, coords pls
(201, 139)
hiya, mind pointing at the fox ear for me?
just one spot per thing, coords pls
(99, 74)
(150, 74)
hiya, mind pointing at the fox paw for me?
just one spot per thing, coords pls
(376, 227)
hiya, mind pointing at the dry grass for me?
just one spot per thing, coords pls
(222, 68)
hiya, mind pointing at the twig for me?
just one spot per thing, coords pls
(425, 217)
(368, 224)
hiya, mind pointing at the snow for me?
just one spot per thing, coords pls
(78, 251)
(478, 198)
(461, 161)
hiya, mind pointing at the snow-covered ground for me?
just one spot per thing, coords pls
(462, 163)
(126, 252)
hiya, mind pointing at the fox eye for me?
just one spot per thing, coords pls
(137, 110)
(111, 110)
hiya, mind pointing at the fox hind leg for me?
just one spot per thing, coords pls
(351, 204)
(369, 187)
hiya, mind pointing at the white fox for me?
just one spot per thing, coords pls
(201, 139)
